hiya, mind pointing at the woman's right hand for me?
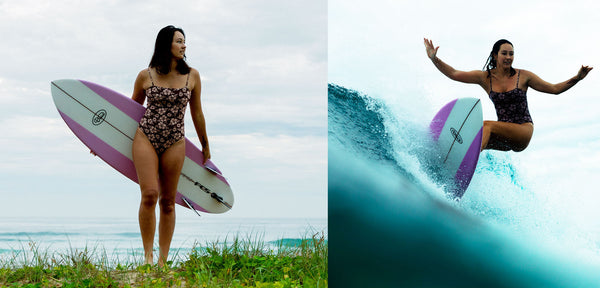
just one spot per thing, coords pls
(430, 49)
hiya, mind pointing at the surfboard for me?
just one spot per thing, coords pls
(457, 129)
(106, 122)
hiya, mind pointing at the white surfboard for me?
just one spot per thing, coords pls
(106, 121)
(457, 128)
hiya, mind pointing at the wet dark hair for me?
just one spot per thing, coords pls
(161, 59)
(491, 63)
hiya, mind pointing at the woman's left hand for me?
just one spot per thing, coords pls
(583, 72)
(206, 154)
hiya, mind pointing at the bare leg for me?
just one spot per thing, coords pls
(146, 166)
(506, 136)
(171, 163)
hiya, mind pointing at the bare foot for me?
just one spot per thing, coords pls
(149, 259)
(161, 262)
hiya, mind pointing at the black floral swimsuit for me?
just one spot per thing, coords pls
(163, 120)
(511, 106)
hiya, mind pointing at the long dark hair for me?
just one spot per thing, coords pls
(161, 59)
(491, 63)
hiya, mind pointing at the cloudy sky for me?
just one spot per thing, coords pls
(377, 48)
(264, 70)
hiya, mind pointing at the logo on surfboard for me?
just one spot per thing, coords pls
(99, 117)
(456, 135)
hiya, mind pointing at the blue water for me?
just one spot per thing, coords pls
(117, 240)
(391, 223)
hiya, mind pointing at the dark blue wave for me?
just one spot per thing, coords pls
(356, 121)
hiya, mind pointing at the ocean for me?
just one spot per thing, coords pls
(118, 240)
(391, 223)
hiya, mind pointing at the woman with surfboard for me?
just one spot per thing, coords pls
(507, 88)
(168, 84)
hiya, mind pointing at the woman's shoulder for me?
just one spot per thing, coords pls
(524, 72)
(194, 78)
(525, 75)
(194, 72)
(143, 77)
(144, 74)
(482, 75)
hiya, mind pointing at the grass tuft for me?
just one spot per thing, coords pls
(235, 263)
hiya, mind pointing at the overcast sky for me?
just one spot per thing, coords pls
(263, 66)
(376, 47)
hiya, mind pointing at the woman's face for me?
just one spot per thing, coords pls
(505, 56)
(178, 45)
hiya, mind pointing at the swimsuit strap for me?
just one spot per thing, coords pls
(188, 79)
(150, 74)
(518, 76)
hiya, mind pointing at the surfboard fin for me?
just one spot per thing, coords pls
(212, 194)
(190, 206)
(213, 170)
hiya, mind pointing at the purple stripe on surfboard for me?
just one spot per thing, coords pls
(467, 166)
(438, 122)
(123, 103)
(136, 112)
(109, 154)
(113, 157)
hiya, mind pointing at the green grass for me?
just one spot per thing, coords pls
(239, 263)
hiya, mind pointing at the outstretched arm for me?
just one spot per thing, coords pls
(474, 77)
(538, 84)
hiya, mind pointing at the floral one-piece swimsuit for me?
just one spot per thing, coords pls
(164, 117)
(511, 106)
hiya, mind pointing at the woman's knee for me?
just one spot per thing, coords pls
(489, 127)
(520, 146)
(149, 197)
(167, 205)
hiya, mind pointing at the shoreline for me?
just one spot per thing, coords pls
(121, 236)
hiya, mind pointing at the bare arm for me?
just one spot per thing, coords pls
(139, 95)
(472, 77)
(538, 84)
(198, 115)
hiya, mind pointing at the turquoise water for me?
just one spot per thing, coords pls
(392, 225)
(119, 239)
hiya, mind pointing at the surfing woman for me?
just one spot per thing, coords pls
(507, 88)
(168, 84)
